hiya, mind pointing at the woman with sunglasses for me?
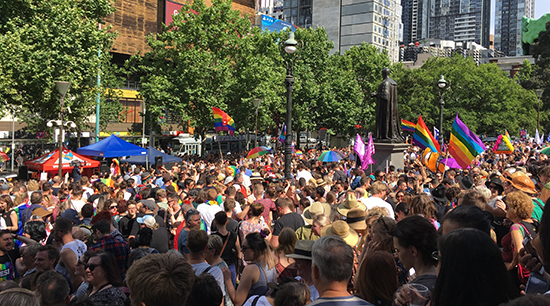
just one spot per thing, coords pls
(80, 271)
(103, 275)
(257, 274)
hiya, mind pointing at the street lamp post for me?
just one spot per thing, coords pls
(442, 84)
(256, 105)
(539, 93)
(62, 88)
(289, 47)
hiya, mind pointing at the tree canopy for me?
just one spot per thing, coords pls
(43, 41)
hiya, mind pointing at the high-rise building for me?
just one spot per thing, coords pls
(272, 8)
(460, 20)
(508, 15)
(298, 12)
(351, 22)
(416, 14)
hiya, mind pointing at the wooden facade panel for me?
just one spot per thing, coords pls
(135, 19)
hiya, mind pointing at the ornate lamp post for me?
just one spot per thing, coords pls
(442, 84)
(62, 88)
(256, 105)
(289, 47)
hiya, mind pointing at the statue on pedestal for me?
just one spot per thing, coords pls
(388, 123)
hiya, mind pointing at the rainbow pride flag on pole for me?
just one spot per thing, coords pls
(423, 138)
(464, 145)
(222, 121)
(282, 138)
(407, 126)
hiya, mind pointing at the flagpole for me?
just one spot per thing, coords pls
(220, 147)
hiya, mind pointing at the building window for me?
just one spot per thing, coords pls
(130, 114)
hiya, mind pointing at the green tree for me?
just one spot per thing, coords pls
(44, 41)
(487, 100)
(191, 65)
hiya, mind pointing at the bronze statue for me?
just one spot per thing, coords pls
(388, 123)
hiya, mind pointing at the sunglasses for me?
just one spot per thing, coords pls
(113, 207)
(436, 256)
(91, 267)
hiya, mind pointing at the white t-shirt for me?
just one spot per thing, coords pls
(87, 192)
(77, 205)
(214, 271)
(208, 212)
(377, 202)
(305, 174)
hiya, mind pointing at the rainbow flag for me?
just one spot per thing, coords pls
(117, 166)
(282, 138)
(222, 121)
(503, 145)
(464, 145)
(407, 126)
(423, 138)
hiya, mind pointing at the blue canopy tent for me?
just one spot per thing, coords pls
(151, 154)
(112, 146)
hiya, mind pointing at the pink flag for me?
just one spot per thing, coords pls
(359, 147)
(367, 158)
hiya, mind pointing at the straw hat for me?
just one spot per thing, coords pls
(523, 183)
(302, 250)
(341, 229)
(356, 219)
(320, 182)
(349, 203)
(256, 176)
(315, 209)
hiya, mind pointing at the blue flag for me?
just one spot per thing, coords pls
(436, 134)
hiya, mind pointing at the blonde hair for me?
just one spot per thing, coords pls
(377, 187)
(520, 204)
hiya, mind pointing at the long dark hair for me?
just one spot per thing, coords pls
(376, 280)
(112, 271)
(472, 271)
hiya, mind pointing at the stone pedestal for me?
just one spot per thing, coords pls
(390, 152)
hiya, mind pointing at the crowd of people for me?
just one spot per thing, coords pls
(237, 232)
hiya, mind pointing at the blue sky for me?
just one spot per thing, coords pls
(541, 7)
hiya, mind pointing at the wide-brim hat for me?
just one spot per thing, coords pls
(356, 219)
(466, 182)
(228, 180)
(302, 250)
(314, 209)
(349, 203)
(320, 182)
(343, 230)
(496, 181)
(522, 182)
(256, 176)
(438, 194)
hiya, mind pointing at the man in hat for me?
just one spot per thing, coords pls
(302, 261)
(331, 269)
(379, 192)
(149, 207)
